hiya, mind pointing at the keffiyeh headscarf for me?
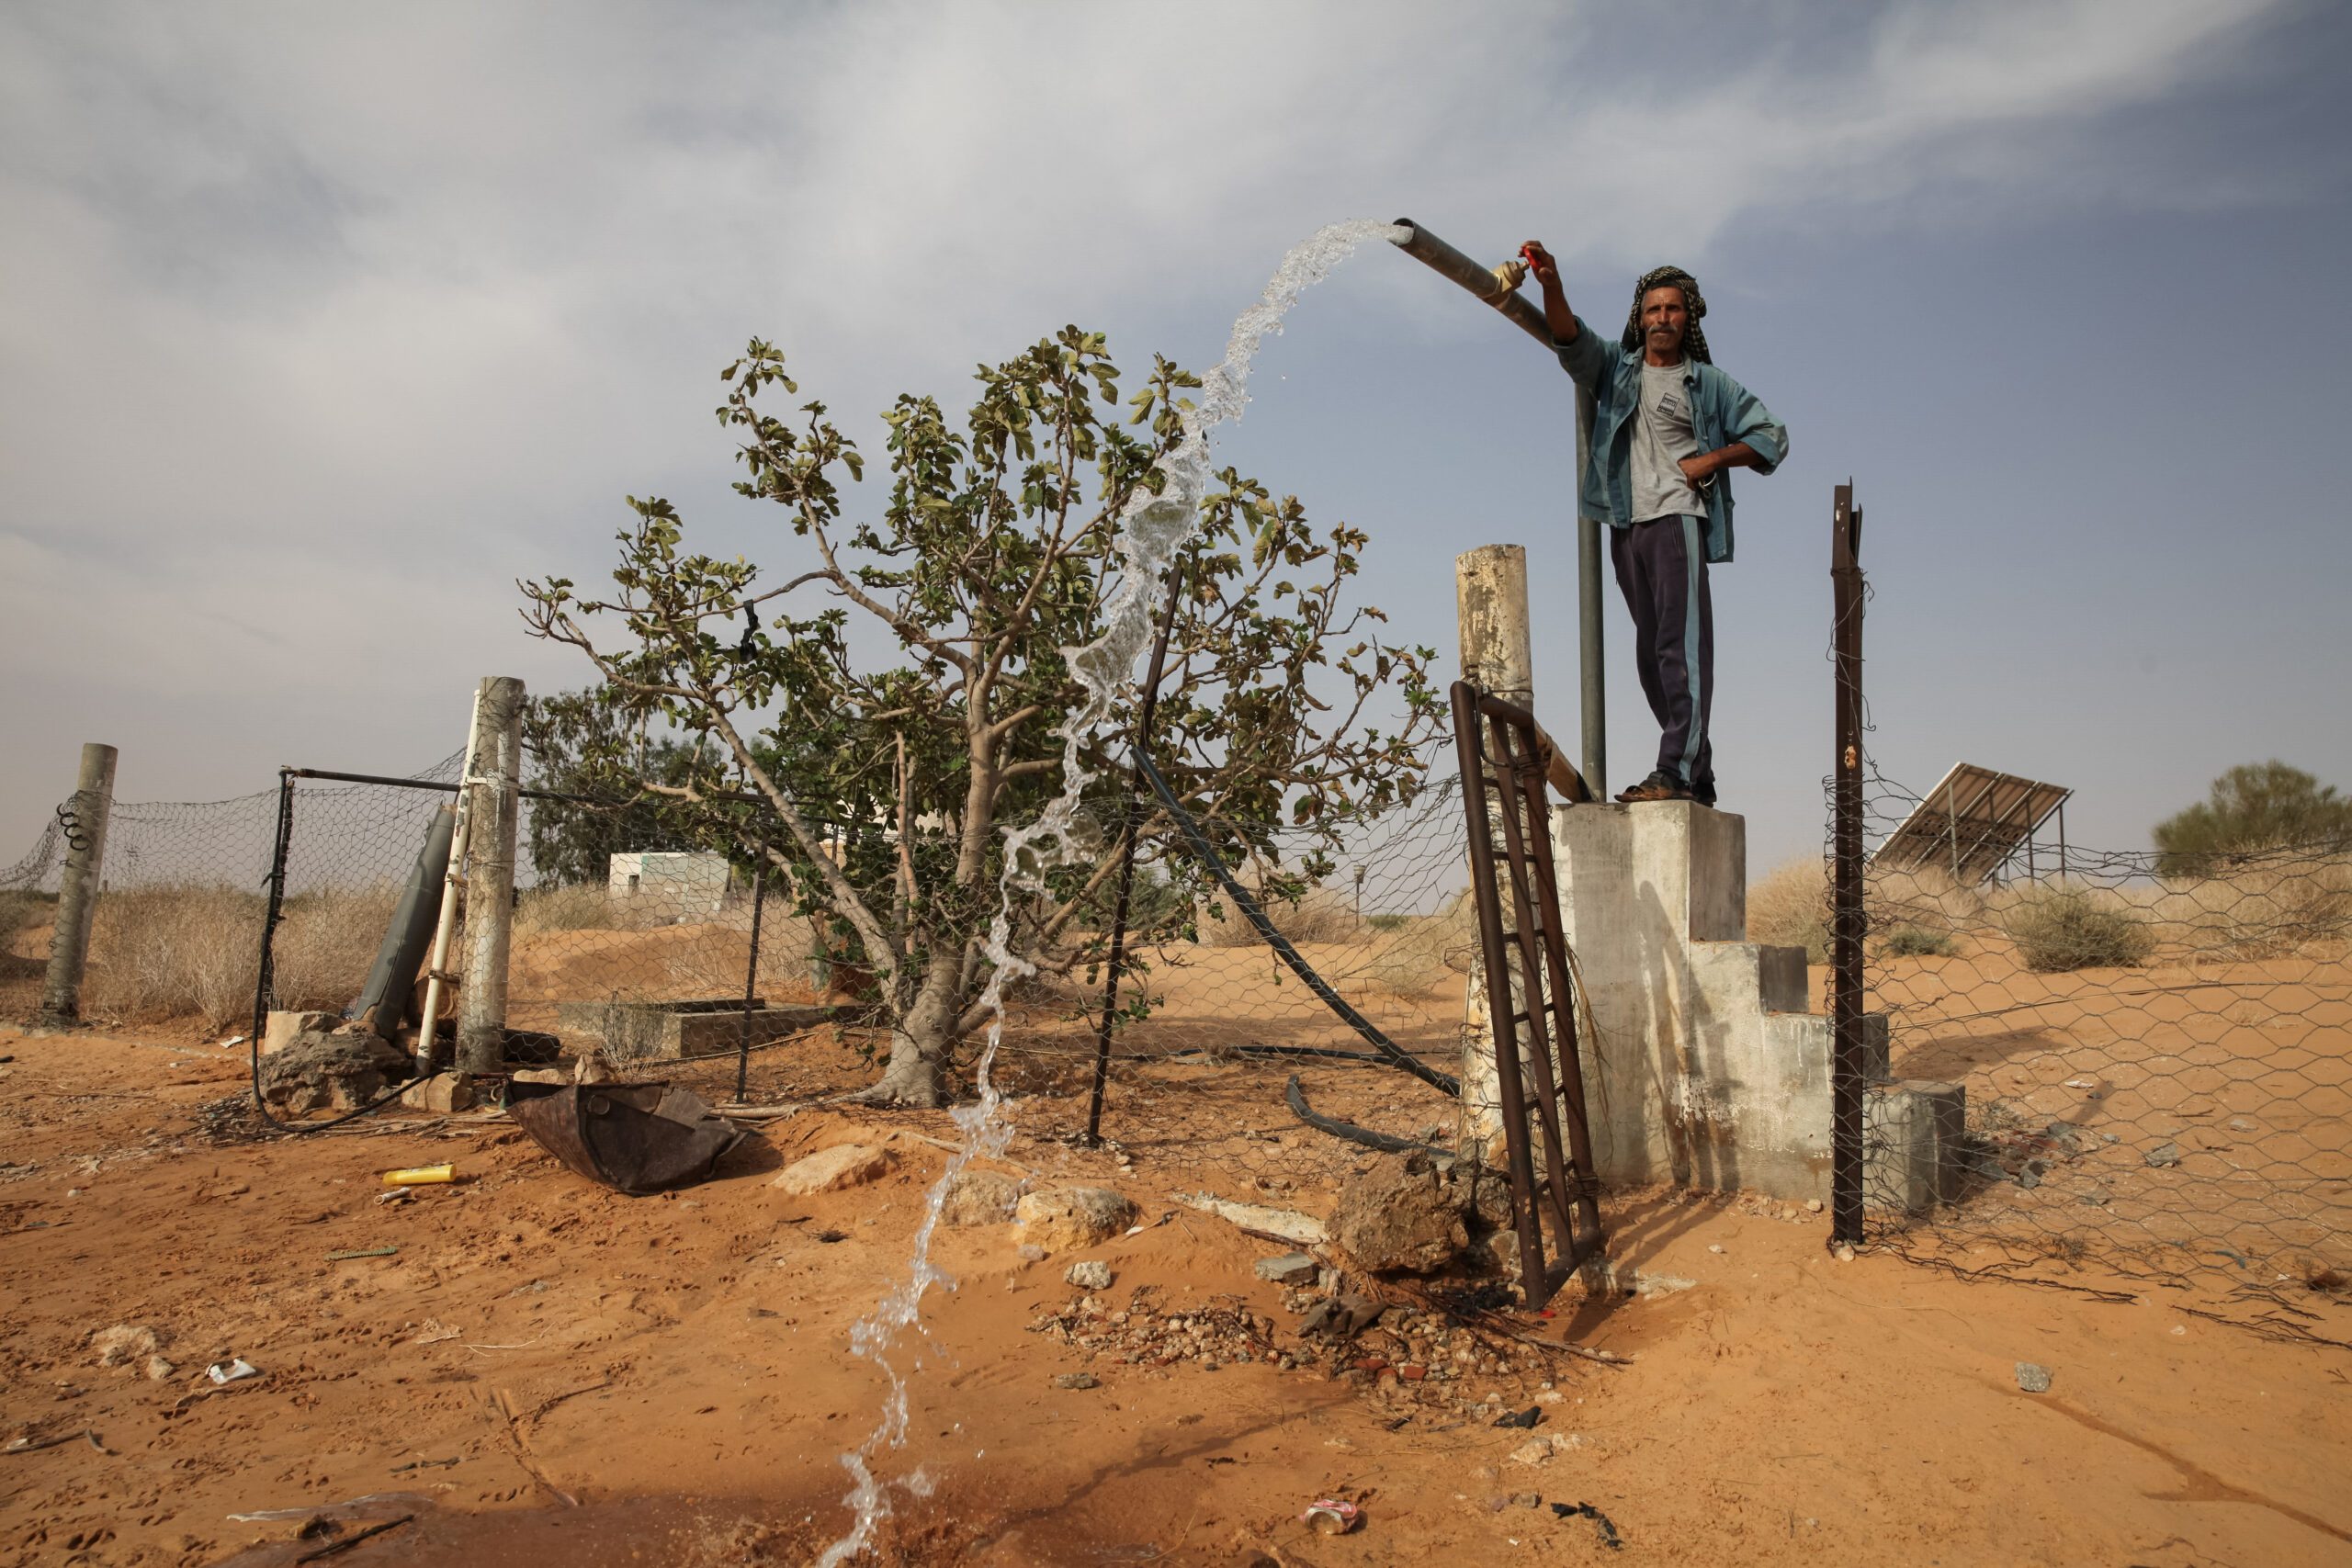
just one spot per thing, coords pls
(1694, 342)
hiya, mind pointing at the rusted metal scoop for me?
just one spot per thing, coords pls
(636, 1138)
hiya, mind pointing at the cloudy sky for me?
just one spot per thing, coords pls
(321, 324)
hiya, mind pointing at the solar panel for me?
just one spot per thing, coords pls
(1970, 824)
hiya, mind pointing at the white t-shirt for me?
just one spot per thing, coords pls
(1662, 436)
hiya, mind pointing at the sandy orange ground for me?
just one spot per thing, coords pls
(679, 1369)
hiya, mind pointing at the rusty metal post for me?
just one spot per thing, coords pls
(85, 821)
(1846, 918)
(751, 976)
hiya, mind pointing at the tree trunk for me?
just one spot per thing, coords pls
(916, 1074)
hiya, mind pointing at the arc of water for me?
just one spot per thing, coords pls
(1151, 529)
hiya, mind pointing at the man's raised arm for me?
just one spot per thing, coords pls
(1582, 356)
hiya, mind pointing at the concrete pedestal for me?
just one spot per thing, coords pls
(1709, 1069)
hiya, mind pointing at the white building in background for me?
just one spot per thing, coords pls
(677, 882)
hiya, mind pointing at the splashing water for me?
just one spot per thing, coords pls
(1151, 529)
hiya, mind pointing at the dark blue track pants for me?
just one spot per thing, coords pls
(1662, 571)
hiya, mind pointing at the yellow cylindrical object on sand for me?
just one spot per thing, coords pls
(420, 1175)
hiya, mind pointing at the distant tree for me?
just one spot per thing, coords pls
(2251, 809)
(936, 722)
(582, 743)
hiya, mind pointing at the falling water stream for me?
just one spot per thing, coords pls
(1151, 529)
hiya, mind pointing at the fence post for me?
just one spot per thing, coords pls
(1594, 708)
(489, 874)
(77, 893)
(1490, 612)
(751, 976)
(1116, 966)
(1846, 917)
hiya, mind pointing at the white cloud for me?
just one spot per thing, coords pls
(327, 308)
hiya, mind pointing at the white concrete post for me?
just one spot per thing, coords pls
(77, 895)
(494, 815)
(1490, 606)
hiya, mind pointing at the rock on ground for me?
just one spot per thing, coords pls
(1092, 1275)
(980, 1198)
(339, 1070)
(830, 1170)
(1290, 1268)
(1068, 1218)
(124, 1342)
(2033, 1379)
(1400, 1216)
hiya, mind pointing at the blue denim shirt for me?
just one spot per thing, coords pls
(1721, 411)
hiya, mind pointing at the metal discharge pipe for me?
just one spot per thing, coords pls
(1447, 262)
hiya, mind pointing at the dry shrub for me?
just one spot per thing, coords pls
(1320, 914)
(159, 953)
(2059, 929)
(1791, 908)
(1923, 897)
(2265, 910)
(1410, 956)
(570, 907)
(326, 943)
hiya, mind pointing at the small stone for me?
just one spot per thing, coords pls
(1031, 1253)
(1715, 1246)
(443, 1094)
(2163, 1155)
(2095, 1195)
(2240, 1124)
(159, 1369)
(1843, 1252)
(2033, 1379)
(1092, 1275)
(831, 1170)
(1813, 1205)
(1290, 1268)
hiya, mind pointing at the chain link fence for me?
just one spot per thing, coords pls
(640, 931)
(2156, 1061)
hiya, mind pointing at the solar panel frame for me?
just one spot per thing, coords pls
(1972, 824)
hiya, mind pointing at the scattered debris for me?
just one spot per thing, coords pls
(1521, 1419)
(2033, 1379)
(1538, 1451)
(33, 1444)
(159, 1369)
(421, 1176)
(1601, 1522)
(427, 1465)
(361, 1252)
(1091, 1275)
(1076, 1380)
(1332, 1516)
(1274, 1224)
(2163, 1155)
(233, 1371)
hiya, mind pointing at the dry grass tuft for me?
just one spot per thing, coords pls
(1410, 956)
(1790, 908)
(1320, 914)
(181, 951)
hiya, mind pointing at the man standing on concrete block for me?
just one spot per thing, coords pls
(1668, 427)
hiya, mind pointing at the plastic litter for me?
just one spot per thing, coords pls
(231, 1372)
(421, 1175)
(1527, 1417)
(1332, 1516)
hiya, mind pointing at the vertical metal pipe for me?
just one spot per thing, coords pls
(77, 890)
(490, 878)
(751, 976)
(1594, 693)
(1847, 930)
(1118, 955)
(2061, 843)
